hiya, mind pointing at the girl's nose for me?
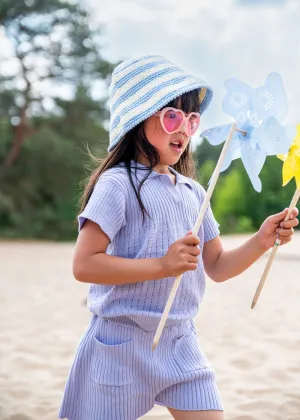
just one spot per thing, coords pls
(183, 129)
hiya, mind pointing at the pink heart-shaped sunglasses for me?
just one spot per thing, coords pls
(173, 119)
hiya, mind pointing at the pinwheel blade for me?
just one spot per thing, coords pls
(253, 161)
(289, 169)
(272, 138)
(270, 100)
(217, 134)
(238, 99)
(297, 139)
(233, 152)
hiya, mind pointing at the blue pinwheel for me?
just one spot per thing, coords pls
(258, 114)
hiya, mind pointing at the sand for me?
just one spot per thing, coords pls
(255, 353)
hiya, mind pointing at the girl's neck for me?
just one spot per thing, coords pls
(162, 169)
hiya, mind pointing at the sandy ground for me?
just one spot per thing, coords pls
(256, 353)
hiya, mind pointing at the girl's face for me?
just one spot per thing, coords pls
(170, 146)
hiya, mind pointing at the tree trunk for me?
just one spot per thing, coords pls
(20, 135)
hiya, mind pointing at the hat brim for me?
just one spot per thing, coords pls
(205, 98)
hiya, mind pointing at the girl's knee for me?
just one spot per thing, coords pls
(196, 415)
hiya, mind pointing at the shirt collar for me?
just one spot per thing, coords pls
(181, 179)
(140, 171)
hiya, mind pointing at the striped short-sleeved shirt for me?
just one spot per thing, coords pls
(173, 210)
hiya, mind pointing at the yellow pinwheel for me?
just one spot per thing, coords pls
(290, 169)
(291, 165)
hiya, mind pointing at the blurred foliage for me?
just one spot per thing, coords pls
(43, 148)
(40, 191)
(53, 45)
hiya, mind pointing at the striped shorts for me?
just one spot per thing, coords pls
(117, 376)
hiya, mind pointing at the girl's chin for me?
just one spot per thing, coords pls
(170, 160)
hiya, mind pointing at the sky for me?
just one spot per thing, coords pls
(214, 40)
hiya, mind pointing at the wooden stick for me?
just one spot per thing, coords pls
(241, 131)
(195, 231)
(274, 251)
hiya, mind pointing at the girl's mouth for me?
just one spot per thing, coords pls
(177, 145)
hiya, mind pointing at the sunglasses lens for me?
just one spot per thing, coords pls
(172, 121)
(193, 124)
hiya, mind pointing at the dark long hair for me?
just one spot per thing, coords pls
(133, 144)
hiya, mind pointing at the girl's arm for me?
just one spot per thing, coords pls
(91, 264)
(222, 265)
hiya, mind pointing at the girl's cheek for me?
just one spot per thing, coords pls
(159, 132)
(152, 129)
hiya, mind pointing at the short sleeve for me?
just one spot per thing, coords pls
(210, 225)
(106, 207)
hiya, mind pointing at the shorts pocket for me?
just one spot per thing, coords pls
(112, 364)
(188, 355)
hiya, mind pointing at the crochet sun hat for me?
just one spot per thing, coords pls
(143, 86)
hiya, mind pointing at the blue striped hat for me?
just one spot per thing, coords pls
(141, 87)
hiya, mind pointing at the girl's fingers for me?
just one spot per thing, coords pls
(192, 266)
(289, 224)
(279, 217)
(193, 260)
(294, 213)
(191, 240)
(285, 240)
(193, 250)
(285, 233)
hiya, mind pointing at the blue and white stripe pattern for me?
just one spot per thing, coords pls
(141, 87)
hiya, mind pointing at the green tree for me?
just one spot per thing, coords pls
(39, 192)
(53, 42)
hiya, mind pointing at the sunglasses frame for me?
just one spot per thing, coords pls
(185, 119)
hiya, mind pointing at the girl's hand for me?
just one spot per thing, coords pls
(274, 227)
(181, 256)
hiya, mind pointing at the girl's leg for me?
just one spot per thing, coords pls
(196, 415)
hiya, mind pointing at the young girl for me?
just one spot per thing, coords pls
(134, 238)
